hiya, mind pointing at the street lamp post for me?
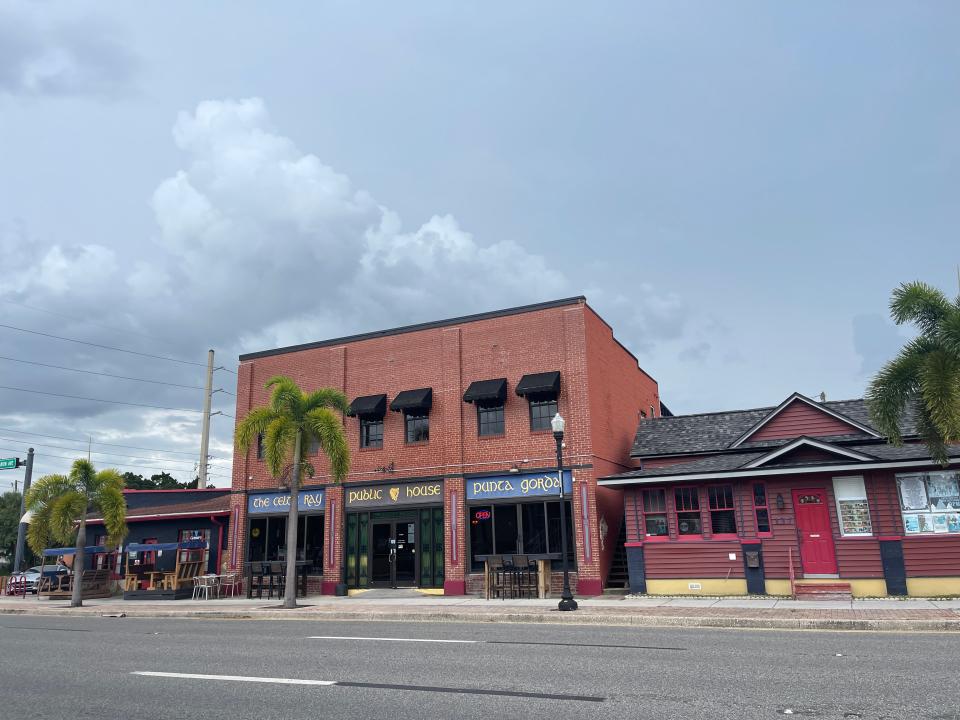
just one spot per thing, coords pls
(566, 597)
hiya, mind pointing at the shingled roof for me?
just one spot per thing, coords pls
(717, 431)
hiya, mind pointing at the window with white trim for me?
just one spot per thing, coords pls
(853, 511)
(930, 502)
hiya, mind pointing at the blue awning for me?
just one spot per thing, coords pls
(89, 549)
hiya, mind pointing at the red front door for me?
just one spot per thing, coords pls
(816, 537)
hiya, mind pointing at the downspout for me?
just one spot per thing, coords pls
(219, 525)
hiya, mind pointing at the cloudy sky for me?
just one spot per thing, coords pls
(736, 187)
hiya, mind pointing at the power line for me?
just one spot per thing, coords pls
(104, 347)
(97, 442)
(86, 321)
(112, 402)
(120, 465)
(93, 372)
(101, 452)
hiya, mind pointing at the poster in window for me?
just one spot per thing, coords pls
(855, 517)
(943, 491)
(953, 522)
(913, 493)
(911, 524)
(940, 523)
(926, 522)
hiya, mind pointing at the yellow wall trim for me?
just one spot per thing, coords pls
(933, 587)
(708, 586)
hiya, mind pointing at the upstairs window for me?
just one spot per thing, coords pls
(542, 409)
(416, 426)
(723, 520)
(313, 445)
(687, 507)
(371, 432)
(490, 419)
(259, 446)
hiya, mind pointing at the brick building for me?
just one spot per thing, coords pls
(452, 449)
(745, 501)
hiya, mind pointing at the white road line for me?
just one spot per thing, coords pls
(235, 678)
(389, 639)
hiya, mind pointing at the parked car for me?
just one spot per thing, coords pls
(32, 576)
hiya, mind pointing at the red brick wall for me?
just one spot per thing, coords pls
(570, 338)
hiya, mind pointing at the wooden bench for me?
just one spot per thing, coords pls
(183, 576)
(95, 584)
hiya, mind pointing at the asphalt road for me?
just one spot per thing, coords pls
(84, 668)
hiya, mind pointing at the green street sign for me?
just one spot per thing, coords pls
(9, 463)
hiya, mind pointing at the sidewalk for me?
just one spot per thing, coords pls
(381, 605)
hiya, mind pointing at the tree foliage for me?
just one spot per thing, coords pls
(924, 378)
(60, 502)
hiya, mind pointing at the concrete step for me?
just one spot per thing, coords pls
(823, 591)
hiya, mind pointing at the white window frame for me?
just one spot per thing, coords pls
(861, 495)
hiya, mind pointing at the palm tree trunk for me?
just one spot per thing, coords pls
(290, 595)
(76, 597)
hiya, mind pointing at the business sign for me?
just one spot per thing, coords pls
(379, 496)
(516, 485)
(265, 503)
(9, 463)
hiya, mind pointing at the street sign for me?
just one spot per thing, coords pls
(9, 463)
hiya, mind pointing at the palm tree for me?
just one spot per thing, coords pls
(288, 425)
(925, 375)
(60, 505)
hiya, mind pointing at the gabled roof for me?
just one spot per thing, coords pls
(840, 453)
(799, 398)
(853, 458)
(718, 431)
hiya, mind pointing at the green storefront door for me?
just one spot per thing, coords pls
(375, 556)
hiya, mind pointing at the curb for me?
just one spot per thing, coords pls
(553, 618)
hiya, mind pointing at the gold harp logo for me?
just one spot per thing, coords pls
(394, 493)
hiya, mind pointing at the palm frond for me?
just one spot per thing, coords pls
(894, 386)
(930, 433)
(65, 511)
(286, 397)
(39, 500)
(940, 388)
(328, 428)
(278, 444)
(328, 398)
(919, 303)
(83, 476)
(110, 502)
(950, 330)
(253, 424)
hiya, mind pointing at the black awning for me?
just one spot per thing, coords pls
(413, 400)
(548, 382)
(486, 391)
(368, 406)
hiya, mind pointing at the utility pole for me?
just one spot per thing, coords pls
(22, 527)
(205, 434)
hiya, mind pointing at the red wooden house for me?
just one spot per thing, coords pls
(739, 502)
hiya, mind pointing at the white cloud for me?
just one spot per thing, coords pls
(42, 54)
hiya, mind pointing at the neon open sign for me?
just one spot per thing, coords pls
(481, 515)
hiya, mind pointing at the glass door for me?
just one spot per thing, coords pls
(381, 554)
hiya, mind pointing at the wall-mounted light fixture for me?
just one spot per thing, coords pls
(779, 501)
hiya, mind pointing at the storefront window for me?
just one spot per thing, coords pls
(930, 502)
(853, 510)
(518, 528)
(268, 540)
(723, 519)
(655, 513)
(188, 555)
(687, 502)
(760, 508)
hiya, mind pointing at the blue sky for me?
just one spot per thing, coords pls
(736, 187)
